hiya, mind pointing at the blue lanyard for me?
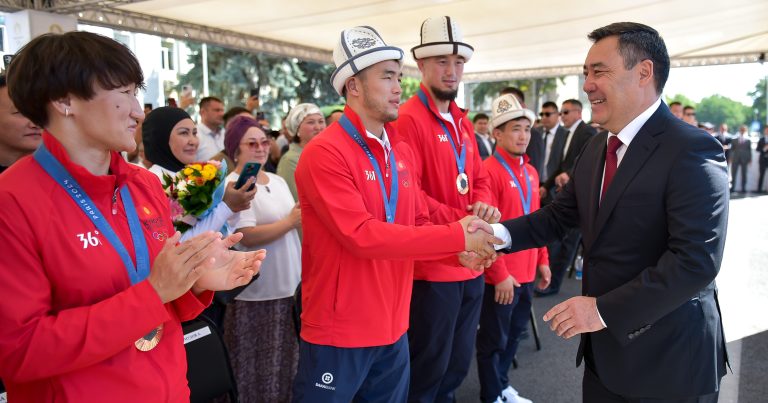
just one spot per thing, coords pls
(461, 161)
(59, 174)
(526, 200)
(390, 204)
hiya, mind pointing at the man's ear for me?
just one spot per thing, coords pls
(645, 69)
(352, 86)
(62, 106)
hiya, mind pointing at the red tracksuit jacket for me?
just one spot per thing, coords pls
(436, 163)
(357, 269)
(520, 265)
(69, 316)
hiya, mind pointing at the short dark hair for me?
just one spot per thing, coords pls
(514, 91)
(234, 111)
(671, 104)
(638, 42)
(574, 102)
(688, 107)
(52, 66)
(549, 104)
(480, 116)
(207, 100)
(334, 111)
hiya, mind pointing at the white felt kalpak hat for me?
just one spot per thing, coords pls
(358, 48)
(506, 108)
(441, 36)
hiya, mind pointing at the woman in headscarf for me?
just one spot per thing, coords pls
(263, 311)
(95, 284)
(170, 143)
(303, 123)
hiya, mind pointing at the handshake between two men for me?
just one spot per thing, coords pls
(479, 241)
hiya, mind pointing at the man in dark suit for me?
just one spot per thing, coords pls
(486, 144)
(651, 200)
(741, 157)
(762, 158)
(553, 135)
(562, 252)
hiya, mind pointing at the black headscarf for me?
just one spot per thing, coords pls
(156, 134)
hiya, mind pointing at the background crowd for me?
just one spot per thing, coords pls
(259, 326)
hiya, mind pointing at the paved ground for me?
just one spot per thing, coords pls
(551, 376)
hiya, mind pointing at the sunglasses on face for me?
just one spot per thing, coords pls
(690, 114)
(547, 114)
(256, 144)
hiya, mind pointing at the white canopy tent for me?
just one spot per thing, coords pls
(512, 39)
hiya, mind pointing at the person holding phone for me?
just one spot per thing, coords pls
(171, 142)
(303, 123)
(263, 311)
(95, 281)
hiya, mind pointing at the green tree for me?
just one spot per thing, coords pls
(282, 81)
(758, 98)
(682, 99)
(718, 109)
(532, 88)
(409, 85)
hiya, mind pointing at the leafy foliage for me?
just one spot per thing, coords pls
(283, 82)
(718, 109)
(532, 88)
(685, 101)
(758, 98)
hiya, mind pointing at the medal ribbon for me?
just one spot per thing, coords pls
(390, 204)
(526, 200)
(59, 174)
(461, 161)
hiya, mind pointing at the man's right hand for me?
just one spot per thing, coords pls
(478, 237)
(505, 291)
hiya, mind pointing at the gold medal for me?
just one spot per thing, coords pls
(462, 183)
(150, 340)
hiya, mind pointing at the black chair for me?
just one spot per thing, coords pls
(209, 371)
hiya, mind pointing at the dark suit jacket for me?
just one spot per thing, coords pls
(762, 156)
(580, 138)
(535, 149)
(555, 153)
(481, 147)
(651, 252)
(741, 152)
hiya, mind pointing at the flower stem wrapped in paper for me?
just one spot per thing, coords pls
(194, 192)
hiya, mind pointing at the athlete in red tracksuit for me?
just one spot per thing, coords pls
(364, 223)
(69, 316)
(94, 282)
(509, 281)
(445, 307)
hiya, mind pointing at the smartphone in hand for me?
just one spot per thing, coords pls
(250, 170)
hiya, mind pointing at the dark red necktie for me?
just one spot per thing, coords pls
(611, 162)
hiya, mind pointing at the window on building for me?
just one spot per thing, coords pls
(168, 55)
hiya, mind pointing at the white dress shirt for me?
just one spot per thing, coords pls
(569, 137)
(548, 148)
(210, 142)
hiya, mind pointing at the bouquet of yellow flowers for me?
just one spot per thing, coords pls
(194, 192)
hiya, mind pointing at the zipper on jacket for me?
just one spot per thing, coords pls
(114, 201)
